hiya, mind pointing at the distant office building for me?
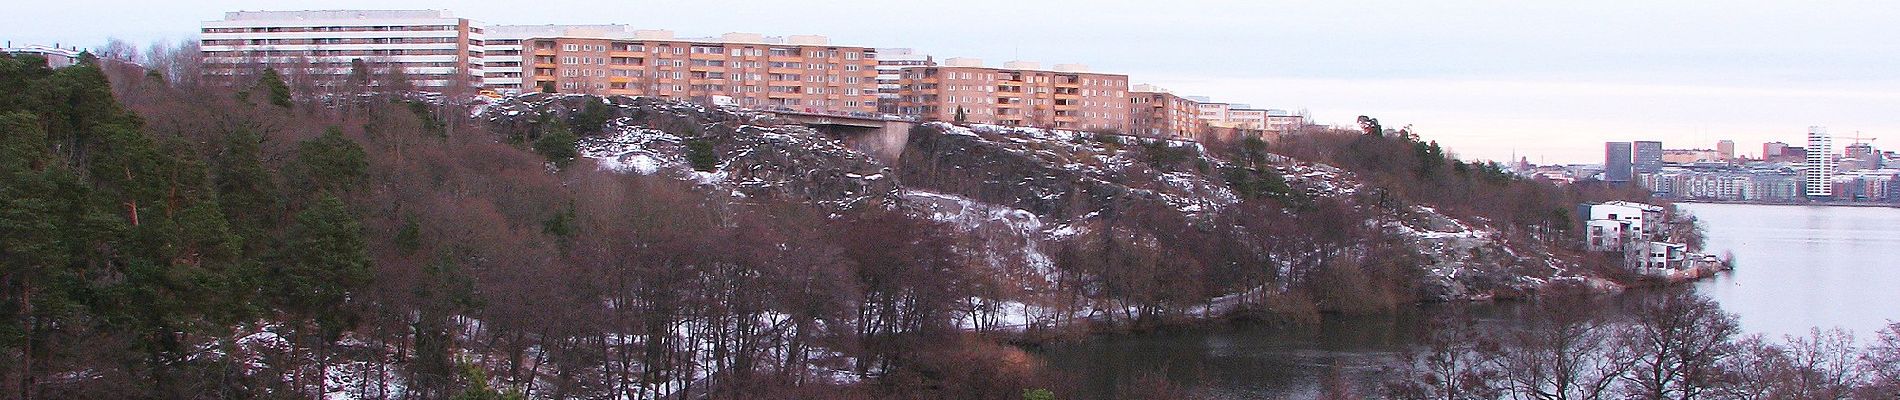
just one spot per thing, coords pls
(1647, 157)
(1773, 151)
(1819, 168)
(55, 57)
(890, 72)
(1726, 148)
(1156, 112)
(1616, 162)
(431, 47)
(1018, 94)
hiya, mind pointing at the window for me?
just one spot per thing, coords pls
(570, 47)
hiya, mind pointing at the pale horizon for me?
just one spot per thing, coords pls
(1488, 80)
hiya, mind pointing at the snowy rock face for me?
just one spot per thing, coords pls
(1018, 192)
(753, 154)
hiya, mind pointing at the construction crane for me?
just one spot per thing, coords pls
(1858, 139)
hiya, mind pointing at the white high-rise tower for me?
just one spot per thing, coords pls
(1819, 170)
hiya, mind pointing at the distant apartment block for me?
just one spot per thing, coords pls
(1616, 162)
(1156, 112)
(1818, 171)
(891, 63)
(1018, 94)
(799, 72)
(432, 47)
(1646, 156)
(55, 56)
(1726, 148)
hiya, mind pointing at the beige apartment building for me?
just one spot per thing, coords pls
(796, 73)
(432, 47)
(1156, 112)
(1019, 94)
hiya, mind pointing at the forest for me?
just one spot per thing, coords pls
(169, 235)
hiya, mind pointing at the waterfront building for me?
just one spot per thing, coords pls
(1616, 162)
(1020, 93)
(1646, 156)
(1156, 112)
(1818, 171)
(1633, 230)
(433, 48)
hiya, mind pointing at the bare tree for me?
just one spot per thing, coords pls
(1677, 342)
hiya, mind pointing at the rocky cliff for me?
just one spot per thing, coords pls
(1024, 193)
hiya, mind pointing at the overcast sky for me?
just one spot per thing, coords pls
(1488, 79)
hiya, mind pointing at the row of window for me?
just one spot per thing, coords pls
(696, 49)
(261, 42)
(337, 53)
(402, 28)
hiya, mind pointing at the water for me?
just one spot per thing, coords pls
(1798, 268)
(1803, 267)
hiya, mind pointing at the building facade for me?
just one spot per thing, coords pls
(802, 73)
(433, 48)
(1818, 171)
(1156, 112)
(1616, 162)
(1019, 94)
(891, 63)
(1646, 156)
(55, 56)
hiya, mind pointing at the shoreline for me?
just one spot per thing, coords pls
(1811, 203)
(1031, 338)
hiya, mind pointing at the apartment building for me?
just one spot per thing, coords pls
(1818, 171)
(1283, 121)
(798, 72)
(1018, 94)
(890, 70)
(432, 47)
(1156, 112)
(1214, 113)
(55, 56)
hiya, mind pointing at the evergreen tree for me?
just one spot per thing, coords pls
(557, 145)
(324, 262)
(273, 84)
(331, 162)
(699, 153)
(592, 118)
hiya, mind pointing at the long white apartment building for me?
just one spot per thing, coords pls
(433, 47)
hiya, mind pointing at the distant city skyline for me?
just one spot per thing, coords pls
(1493, 80)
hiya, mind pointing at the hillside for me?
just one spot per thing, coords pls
(1033, 197)
(165, 238)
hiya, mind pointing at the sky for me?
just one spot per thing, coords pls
(1488, 79)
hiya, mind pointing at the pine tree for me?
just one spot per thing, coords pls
(331, 162)
(557, 145)
(273, 84)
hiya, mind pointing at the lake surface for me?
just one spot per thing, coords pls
(1802, 267)
(1798, 267)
